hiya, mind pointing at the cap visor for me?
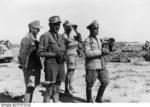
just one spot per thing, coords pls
(56, 22)
(39, 27)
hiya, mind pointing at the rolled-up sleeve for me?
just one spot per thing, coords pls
(89, 52)
(43, 47)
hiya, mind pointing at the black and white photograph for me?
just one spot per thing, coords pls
(74, 51)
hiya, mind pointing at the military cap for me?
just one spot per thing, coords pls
(93, 24)
(35, 24)
(54, 19)
(67, 23)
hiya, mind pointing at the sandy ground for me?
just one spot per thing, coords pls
(129, 82)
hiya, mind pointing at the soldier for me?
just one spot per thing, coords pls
(94, 63)
(71, 51)
(53, 49)
(29, 60)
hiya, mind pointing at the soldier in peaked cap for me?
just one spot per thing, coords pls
(94, 63)
(29, 60)
(53, 49)
(93, 25)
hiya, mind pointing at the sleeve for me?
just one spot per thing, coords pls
(89, 52)
(78, 37)
(43, 47)
(27, 46)
(23, 45)
(22, 57)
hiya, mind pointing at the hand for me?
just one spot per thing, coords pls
(75, 27)
(59, 58)
(36, 42)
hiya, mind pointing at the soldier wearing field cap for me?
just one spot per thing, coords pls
(94, 63)
(71, 52)
(29, 60)
(53, 49)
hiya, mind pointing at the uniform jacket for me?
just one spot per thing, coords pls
(28, 57)
(50, 45)
(93, 53)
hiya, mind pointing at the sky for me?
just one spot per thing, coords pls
(125, 20)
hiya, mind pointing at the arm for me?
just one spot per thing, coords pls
(89, 52)
(23, 55)
(78, 37)
(42, 49)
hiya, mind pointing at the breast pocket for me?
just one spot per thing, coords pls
(54, 47)
(94, 46)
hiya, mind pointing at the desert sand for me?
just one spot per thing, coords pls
(129, 82)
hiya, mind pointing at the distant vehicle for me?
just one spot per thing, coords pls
(6, 53)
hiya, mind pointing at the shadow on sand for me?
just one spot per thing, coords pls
(6, 98)
(67, 99)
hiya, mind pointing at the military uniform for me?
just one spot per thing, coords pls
(71, 47)
(51, 45)
(94, 66)
(54, 70)
(71, 52)
(30, 62)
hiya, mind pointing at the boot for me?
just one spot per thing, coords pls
(27, 97)
(89, 95)
(67, 92)
(29, 94)
(48, 94)
(100, 94)
(56, 93)
(70, 81)
(71, 88)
